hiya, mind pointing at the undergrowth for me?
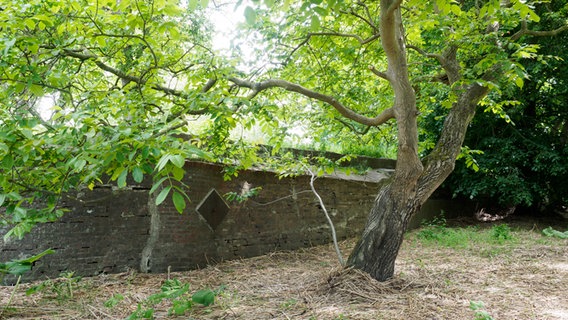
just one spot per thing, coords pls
(437, 232)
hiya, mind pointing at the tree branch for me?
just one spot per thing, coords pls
(424, 53)
(346, 35)
(292, 87)
(395, 4)
(380, 74)
(122, 75)
(525, 31)
(334, 34)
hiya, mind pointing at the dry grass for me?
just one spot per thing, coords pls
(523, 279)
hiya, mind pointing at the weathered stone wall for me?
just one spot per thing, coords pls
(108, 230)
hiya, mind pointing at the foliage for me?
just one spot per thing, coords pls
(501, 233)
(551, 232)
(63, 288)
(479, 308)
(244, 195)
(438, 232)
(137, 91)
(177, 294)
(96, 92)
(21, 266)
(524, 155)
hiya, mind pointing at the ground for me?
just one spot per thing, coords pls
(510, 271)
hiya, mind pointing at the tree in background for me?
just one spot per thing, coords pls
(524, 159)
(129, 77)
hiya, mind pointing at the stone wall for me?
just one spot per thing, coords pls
(109, 230)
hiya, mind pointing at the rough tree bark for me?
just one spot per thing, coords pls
(411, 185)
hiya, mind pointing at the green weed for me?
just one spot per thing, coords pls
(63, 288)
(501, 233)
(479, 308)
(437, 232)
(550, 232)
(177, 294)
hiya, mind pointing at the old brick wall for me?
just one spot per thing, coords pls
(110, 230)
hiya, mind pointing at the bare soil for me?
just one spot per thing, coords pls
(526, 278)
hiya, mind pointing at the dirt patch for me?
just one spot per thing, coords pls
(523, 279)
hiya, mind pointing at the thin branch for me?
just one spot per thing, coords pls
(121, 74)
(352, 127)
(334, 34)
(368, 20)
(380, 74)
(333, 233)
(210, 83)
(424, 53)
(525, 31)
(346, 35)
(256, 88)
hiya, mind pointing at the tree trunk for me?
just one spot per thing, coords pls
(376, 251)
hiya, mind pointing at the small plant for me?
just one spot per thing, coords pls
(501, 233)
(63, 288)
(289, 303)
(480, 313)
(114, 300)
(18, 268)
(177, 294)
(246, 193)
(551, 232)
(434, 229)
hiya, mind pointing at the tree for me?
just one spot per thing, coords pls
(461, 51)
(129, 77)
(124, 79)
(524, 155)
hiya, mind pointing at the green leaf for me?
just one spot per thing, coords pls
(177, 160)
(121, 181)
(37, 90)
(179, 201)
(79, 165)
(519, 82)
(315, 23)
(137, 174)
(157, 184)
(163, 161)
(8, 162)
(162, 195)
(205, 297)
(269, 3)
(250, 15)
(19, 267)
